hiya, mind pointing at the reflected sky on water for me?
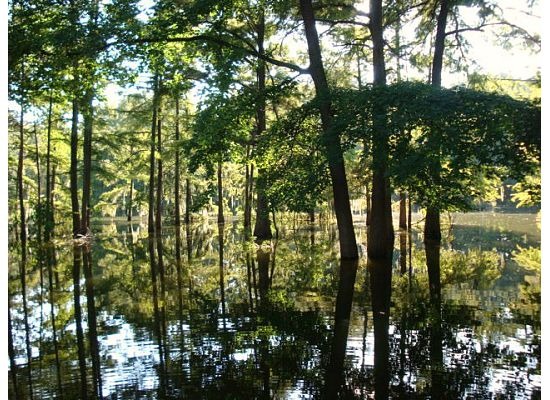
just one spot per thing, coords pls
(203, 313)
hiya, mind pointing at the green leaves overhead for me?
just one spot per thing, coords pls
(296, 172)
(220, 130)
(471, 134)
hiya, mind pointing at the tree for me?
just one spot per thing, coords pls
(331, 139)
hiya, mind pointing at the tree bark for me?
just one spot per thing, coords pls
(49, 184)
(74, 169)
(380, 232)
(87, 158)
(221, 267)
(38, 183)
(177, 217)
(331, 139)
(52, 203)
(187, 201)
(130, 201)
(221, 219)
(23, 238)
(20, 193)
(262, 228)
(158, 213)
(246, 222)
(432, 226)
(369, 209)
(402, 210)
(151, 199)
(409, 216)
(439, 45)
(248, 201)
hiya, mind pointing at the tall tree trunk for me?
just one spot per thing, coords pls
(262, 228)
(432, 226)
(74, 169)
(23, 238)
(158, 213)
(331, 139)
(51, 230)
(130, 201)
(369, 208)
(38, 182)
(403, 252)
(246, 222)
(402, 210)
(221, 218)
(20, 192)
(187, 200)
(49, 185)
(151, 199)
(409, 216)
(221, 267)
(87, 165)
(177, 217)
(249, 196)
(311, 215)
(380, 232)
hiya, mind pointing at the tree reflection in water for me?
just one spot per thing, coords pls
(334, 376)
(227, 318)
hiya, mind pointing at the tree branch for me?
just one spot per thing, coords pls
(225, 43)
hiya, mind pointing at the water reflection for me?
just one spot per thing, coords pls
(334, 378)
(204, 313)
(380, 285)
(437, 372)
(77, 263)
(92, 322)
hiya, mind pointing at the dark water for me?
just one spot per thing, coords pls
(203, 314)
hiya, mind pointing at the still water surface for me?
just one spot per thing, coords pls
(200, 313)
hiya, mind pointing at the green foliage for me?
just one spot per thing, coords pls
(200, 199)
(481, 268)
(527, 192)
(296, 173)
(470, 138)
(220, 130)
(528, 258)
